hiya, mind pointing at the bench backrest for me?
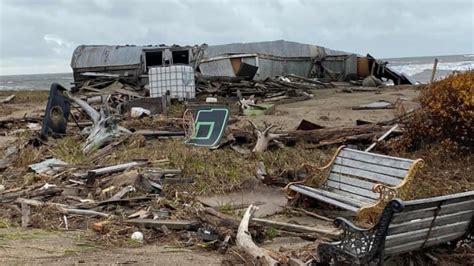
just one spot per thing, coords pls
(354, 173)
(428, 222)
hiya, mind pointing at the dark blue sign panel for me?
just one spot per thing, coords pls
(56, 113)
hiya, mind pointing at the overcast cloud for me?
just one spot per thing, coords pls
(40, 36)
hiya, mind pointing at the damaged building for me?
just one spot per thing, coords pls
(257, 60)
(129, 62)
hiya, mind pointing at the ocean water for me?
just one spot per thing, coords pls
(35, 82)
(418, 68)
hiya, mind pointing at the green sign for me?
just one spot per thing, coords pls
(209, 126)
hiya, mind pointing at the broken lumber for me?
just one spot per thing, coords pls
(89, 205)
(65, 209)
(8, 197)
(122, 192)
(312, 81)
(170, 224)
(108, 169)
(381, 138)
(158, 133)
(296, 228)
(245, 242)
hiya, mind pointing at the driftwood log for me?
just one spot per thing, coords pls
(244, 240)
(264, 137)
(321, 137)
(104, 127)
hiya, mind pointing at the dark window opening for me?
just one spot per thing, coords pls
(153, 59)
(181, 57)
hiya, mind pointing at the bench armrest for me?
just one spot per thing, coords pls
(386, 193)
(333, 158)
(355, 243)
(346, 225)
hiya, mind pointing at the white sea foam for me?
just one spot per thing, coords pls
(413, 69)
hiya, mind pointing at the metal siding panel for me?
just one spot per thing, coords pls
(269, 68)
(300, 68)
(220, 68)
(95, 56)
(351, 66)
(278, 48)
(249, 60)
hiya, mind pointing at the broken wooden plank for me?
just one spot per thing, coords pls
(381, 138)
(296, 228)
(89, 205)
(62, 208)
(109, 169)
(317, 82)
(25, 214)
(170, 224)
(8, 197)
(158, 133)
(122, 192)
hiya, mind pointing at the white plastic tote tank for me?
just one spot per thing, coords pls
(179, 80)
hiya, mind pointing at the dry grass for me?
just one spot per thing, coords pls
(215, 171)
(445, 172)
(69, 150)
(26, 96)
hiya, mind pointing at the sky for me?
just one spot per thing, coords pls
(39, 36)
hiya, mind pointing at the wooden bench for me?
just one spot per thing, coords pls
(404, 226)
(361, 182)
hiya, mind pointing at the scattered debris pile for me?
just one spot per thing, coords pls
(109, 160)
(280, 90)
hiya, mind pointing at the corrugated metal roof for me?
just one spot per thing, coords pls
(277, 48)
(105, 55)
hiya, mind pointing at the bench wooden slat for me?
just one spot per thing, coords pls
(364, 201)
(412, 236)
(417, 244)
(379, 159)
(335, 196)
(426, 222)
(379, 178)
(429, 212)
(395, 172)
(311, 193)
(422, 226)
(357, 191)
(448, 199)
(351, 181)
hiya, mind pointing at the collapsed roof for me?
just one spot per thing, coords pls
(260, 60)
